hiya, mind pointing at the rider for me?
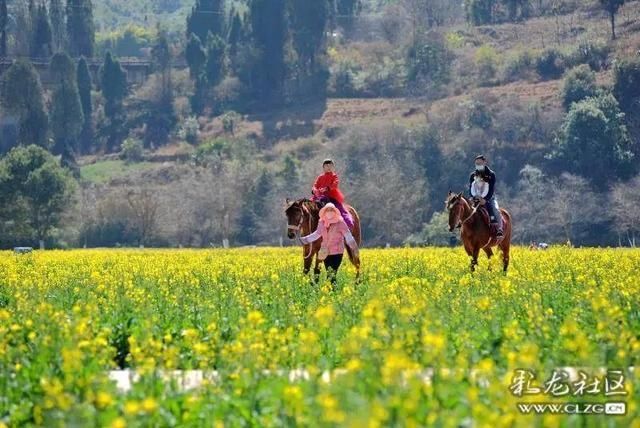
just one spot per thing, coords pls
(481, 187)
(325, 189)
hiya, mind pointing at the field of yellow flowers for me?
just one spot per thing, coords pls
(419, 342)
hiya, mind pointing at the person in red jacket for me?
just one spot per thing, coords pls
(326, 189)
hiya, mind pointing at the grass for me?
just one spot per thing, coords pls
(105, 171)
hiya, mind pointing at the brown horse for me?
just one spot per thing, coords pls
(475, 229)
(302, 217)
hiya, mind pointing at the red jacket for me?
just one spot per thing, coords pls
(331, 181)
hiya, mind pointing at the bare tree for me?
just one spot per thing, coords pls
(625, 200)
(144, 206)
(574, 206)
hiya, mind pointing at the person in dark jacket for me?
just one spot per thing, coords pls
(482, 183)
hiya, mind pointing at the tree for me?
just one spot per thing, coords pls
(268, 36)
(80, 28)
(207, 16)
(84, 82)
(215, 60)
(579, 83)
(594, 141)
(196, 56)
(612, 6)
(346, 10)
(517, 9)
(435, 233)
(428, 61)
(22, 96)
(626, 84)
(235, 34)
(4, 21)
(624, 203)
(56, 12)
(35, 190)
(573, 207)
(67, 116)
(114, 89)
(308, 29)
(161, 116)
(255, 208)
(41, 43)
(479, 12)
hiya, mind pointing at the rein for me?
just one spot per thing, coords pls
(298, 228)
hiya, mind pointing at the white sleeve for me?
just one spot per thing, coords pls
(351, 241)
(485, 190)
(313, 237)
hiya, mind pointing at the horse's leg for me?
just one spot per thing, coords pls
(505, 247)
(355, 261)
(307, 261)
(474, 258)
(316, 270)
(489, 253)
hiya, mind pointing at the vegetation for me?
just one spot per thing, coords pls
(418, 332)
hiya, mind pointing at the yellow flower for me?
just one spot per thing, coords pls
(103, 400)
(119, 422)
(131, 407)
(149, 405)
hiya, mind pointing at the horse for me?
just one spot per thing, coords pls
(303, 216)
(476, 231)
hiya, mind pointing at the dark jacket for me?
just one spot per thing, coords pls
(487, 175)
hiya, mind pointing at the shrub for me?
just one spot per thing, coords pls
(550, 64)
(189, 130)
(626, 83)
(132, 150)
(593, 53)
(486, 63)
(579, 83)
(518, 66)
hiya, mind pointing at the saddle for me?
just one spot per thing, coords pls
(493, 227)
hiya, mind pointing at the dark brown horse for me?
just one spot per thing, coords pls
(302, 218)
(475, 230)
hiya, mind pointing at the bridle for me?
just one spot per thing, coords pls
(456, 204)
(297, 228)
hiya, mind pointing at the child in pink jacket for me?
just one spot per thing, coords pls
(334, 232)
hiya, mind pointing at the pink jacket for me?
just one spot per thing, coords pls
(333, 237)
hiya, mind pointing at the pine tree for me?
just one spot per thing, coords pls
(162, 117)
(215, 60)
(80, 28)
(268, 36)
(21, 95)
(235, 32)
(41, 43)
(308, 29)
(4, 21)
(113, 81)
(56, 13)
(196, 56)
(207, 16)
(83, 77)
(67, 116)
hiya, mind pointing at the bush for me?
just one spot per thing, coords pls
(550, 64)
(428, 62)
(626, 83)
(579, 83)
(518, 66)
(229, 121)
(486, 63)
(592, 53)
(132, 150)
(189, 130)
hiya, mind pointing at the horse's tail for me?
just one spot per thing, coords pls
(357, 227)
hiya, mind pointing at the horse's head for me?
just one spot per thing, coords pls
(455, 203)
(295, 212)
